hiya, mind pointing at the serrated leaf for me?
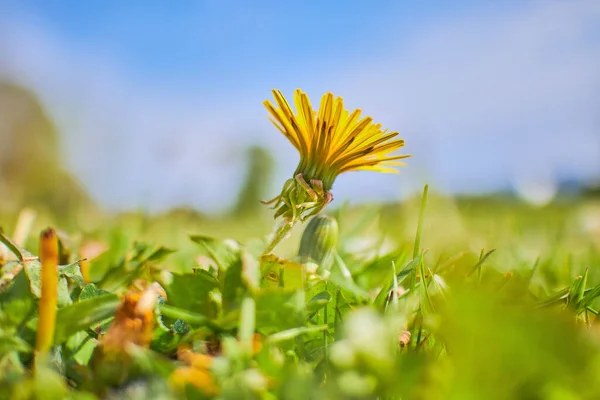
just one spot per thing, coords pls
(33, 271)
(90, 290)
(73, 272)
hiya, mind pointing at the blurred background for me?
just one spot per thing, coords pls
(128, 106)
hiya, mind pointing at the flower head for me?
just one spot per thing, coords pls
(330, 142)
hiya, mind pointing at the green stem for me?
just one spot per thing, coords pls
(282, 230)
(190, 317)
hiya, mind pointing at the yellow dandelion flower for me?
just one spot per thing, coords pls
(330, 141)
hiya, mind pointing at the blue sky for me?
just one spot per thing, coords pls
(157, 100)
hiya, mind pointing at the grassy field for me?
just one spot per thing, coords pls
(471, 298)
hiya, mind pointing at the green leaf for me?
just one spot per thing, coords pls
(590, 295)
(247, 323)
(409, 267)
(278, 309)
(234, 287)
(294, 332)
(49, 384)
(89, 291)
(33, 271)
(341, 276)
(73, 272)
(480, 262)
(12, 246)
(166, 341)
(561, 297)
(139, 249)
(224, 254)
(576, 294)
(160, 254)
(64, 298)
(17, 303)
(127, 271)
(80, 347)
(279, 272)
(250, 271)
(376, 273)
(323, 315)
(9, 342)
(151, 362)
(81, 315)
(270, 271)
(417, 247)
(425, 299)
(318, 301)
(192, 291)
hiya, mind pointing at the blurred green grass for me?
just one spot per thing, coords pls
(518, 324)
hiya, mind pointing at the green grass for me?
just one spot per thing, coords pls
(499, 300)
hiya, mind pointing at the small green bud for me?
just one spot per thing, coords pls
(319, 241)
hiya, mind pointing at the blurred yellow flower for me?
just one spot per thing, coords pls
(134, 320)
(196, 372)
